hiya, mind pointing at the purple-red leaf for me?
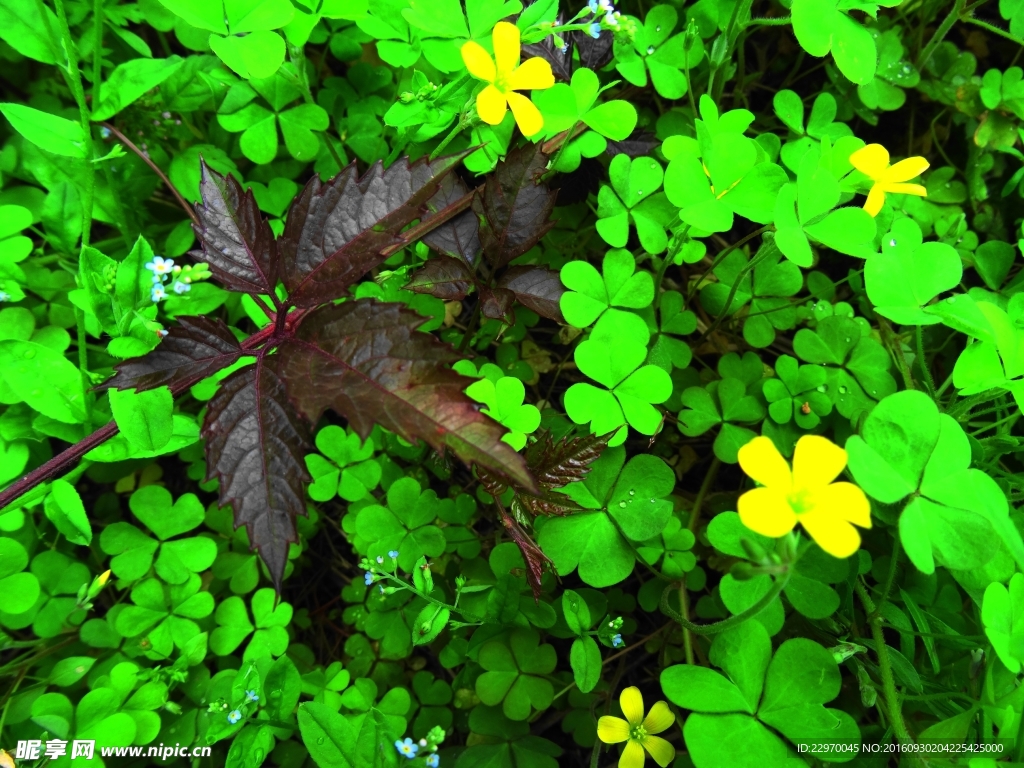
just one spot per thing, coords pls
(556, 464)
(537, 288)
(237, 242)
(496, 303)
(443, 277)
(366, 361)
(193, 349)
(594, 52)
(256, 448)
(560, 59)
(460, 236)
(638, 144)
(336, 232)
(515, 207)
(534, 558)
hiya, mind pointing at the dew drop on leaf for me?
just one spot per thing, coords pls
(632, 492)
(822, 388)
(842, 390)
(29, 354)
(650, 49)
(622, 504)
(892, 242)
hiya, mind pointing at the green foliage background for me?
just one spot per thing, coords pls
(717, 280)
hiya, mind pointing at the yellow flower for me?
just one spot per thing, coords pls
(873, 161)
(104, 577)
(505, 76)
(636, 730)
(806, 494)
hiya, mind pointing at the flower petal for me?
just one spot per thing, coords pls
(662, 752)
(533, 74)
(478, 61)
(871, 160)
(762, 461)
(506, 47)
(612, 730)
(906, 189)
(875, 201)
(659, 718)
(905, 170)
(766, 511)
(632, 755)
(817, 461)
(528, 117)
(491, 105)
(845, 500)
(632, 703)
(831, 532)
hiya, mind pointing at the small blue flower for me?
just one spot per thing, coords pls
(393, 554)
(234, 716)
(595, 30)
(252, 696)
(617, 641)
(592, 4)
(4, 296)
(105, 132)
(369, 578)
(181, 287)
(158, 294)
(409, 748)
(565, 49)
(160, 266)
(433, 761)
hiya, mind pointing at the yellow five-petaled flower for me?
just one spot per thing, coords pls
(805, 494)
(505, 76)
(873, 161)
(638, 731)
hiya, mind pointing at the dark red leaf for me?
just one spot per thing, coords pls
(515, 208)
(443, 277)
(459, 237)
(237, 242)
(548, 505)
(496, 302)
(193, 349)
(535, 560)
(639, 144)
(537, 288)
(557, 463)
(366, 361)
(559, 59)
(336, 232)
(256, 448)
(594, 52)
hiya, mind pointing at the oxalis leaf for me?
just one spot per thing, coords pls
(367, 362)
(336, 232)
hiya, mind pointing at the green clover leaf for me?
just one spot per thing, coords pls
(737, 716)
(630, 389)
(504, 401)
(907, 448)
(513, 675)
(634, 196)
(591, 293)
(1002, 613)
(405, 525)
(667, 350)
(20, 588)
(629, 498)
(657, 51)
(269, 636)
(856, 366)
(164, 614)
(59, 579)
(893, 73)
(795, 394)
(134, 552)
(726, 403)
(672, 548)
(346, 468)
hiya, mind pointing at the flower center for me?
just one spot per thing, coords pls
(637, 733)
(501, 82)
(800, 501)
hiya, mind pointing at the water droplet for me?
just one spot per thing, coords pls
(822, 388)
(848, 339)
(632, 492)
(29, 354)
(622, 504)
(892, 243)
(658, 28)
(906, 69)
(639, 192)
(320, 740)
(951, 300)
(842, 390)
(653, 500)
(874, 391)
(650, 49)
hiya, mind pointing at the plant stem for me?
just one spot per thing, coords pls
(994, 30)
(940, 34)
(892, 699)
(766, 22)
(156, 169)
(891, 576)
(698, 502)
(684, 607)
(732, 621)
(767, 248)
(922, 362)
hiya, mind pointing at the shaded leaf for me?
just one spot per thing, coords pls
(535, 560)
(459, 237)
(638, 144)
(195, 348)
(366, 361)
(336, 232)
(444, 277)
(515, 208)
(556, 464)
(237, 242)
(594, 52)
(537, 288)
(559, 59)
(496, 302)
(255, 447)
